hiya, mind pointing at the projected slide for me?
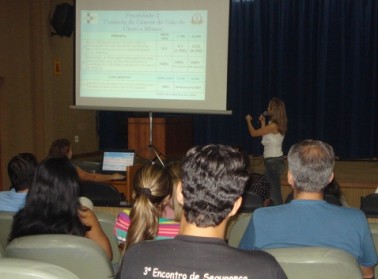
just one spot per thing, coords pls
(143, 54)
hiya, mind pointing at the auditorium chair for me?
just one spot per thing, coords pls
(369, 205)
(1, 251)
(316, 262)
(237, 226)
(250, 202)
(80, 255)
(107, 222)
(6, 220)
(374, 234)
(101, 194)
(11, 268)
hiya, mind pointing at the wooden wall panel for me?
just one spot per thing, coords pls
(172, 137)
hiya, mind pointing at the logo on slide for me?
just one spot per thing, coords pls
(91, 18)
(197, 19)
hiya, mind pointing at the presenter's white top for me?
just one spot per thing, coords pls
(272, 145)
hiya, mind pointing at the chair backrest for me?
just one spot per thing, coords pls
(11, 268)
(374, 234)
(369, 205)
(131, 170)
(238, 226)
(332, 199)
(107, 222)
(251, 201)
(6, 220)
(2, 251)
(101, 194)
(316, 262)
(77, 254)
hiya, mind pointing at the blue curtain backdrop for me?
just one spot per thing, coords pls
(319, 56)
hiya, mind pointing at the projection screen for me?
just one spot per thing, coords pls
(152, 55)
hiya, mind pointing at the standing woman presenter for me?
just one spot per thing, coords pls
(272, 135)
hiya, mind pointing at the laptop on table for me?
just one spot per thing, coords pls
(116, 161)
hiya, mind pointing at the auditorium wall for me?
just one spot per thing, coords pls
(34, 99)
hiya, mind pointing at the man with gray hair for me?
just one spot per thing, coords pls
(308, 220)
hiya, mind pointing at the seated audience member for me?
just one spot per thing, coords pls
(258, 184)
(151, 190)
(214, 178)
(173, 210)
(331, 193)
(308, 220)
(53, 207)
(333, 190)
(20, 171)
(62, 147)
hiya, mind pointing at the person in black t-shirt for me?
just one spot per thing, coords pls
(213, 180)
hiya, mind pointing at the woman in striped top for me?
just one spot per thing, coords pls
(152, 191)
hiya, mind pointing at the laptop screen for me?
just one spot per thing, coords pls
(117, 161)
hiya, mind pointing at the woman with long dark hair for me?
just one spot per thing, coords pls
(53, 207)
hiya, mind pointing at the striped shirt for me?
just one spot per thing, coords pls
(167, 227)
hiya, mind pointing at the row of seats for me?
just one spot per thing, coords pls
(316, 262)
(106, 220)
(374, 233)
(105, 194)
(306, 262)
(102, 194)
(11, 268)
(78, 255)
(369, 205)
(91, 261)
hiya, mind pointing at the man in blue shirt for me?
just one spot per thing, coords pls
(308, 220)
(20, 171)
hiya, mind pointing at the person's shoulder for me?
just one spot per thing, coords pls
(123, 217)
(351, 212)
(4, 193)
(8, 192)
(125, 212)
(141, 248)
(253, 253)
(12, 198)
(346, 215)
(167, 221)
(273, 125)
(270, 210)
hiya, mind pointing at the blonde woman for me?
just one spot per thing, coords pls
(272, 135)
(173, 210)
(152, 191)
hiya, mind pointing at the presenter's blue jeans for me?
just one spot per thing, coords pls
(274, 168)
